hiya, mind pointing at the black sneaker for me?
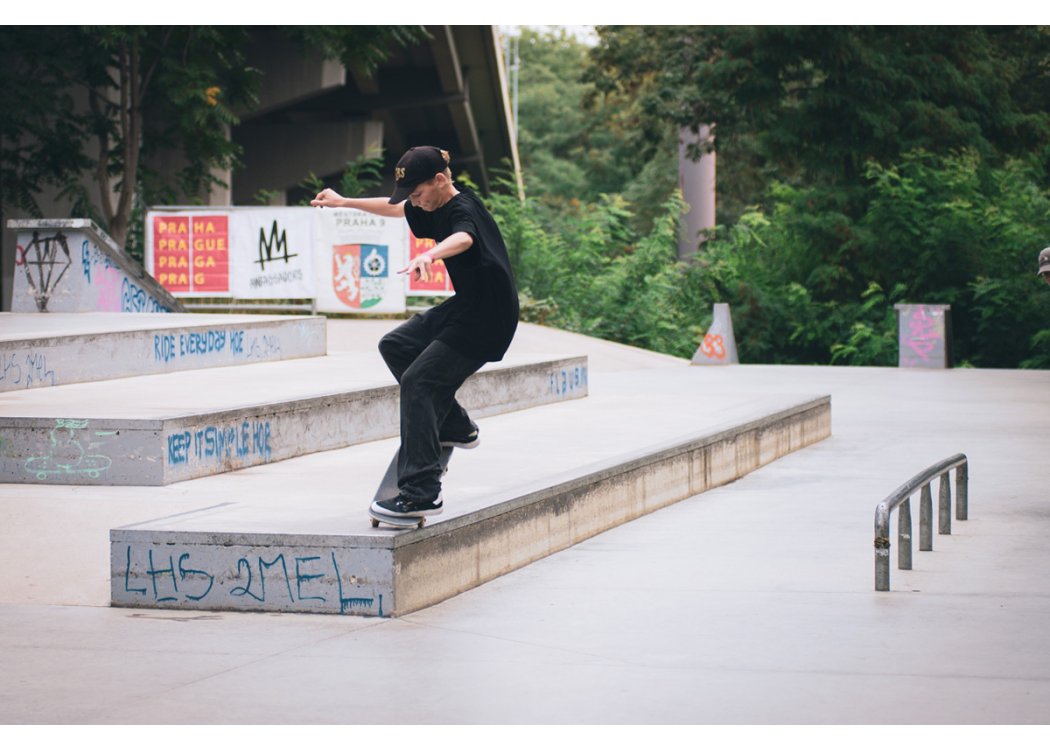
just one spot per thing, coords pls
(473, 440)
(404, 507)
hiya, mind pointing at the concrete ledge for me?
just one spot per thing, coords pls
(100, 450)
(175, 343)
(394, 573)
(71, 265)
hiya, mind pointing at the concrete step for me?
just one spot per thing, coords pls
(50, 349)
(159, 429)
(544, 479)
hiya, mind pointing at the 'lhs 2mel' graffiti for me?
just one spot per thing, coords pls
(245, 578)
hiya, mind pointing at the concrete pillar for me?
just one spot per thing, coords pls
(719, 345)
(697, 182)
(924, 335)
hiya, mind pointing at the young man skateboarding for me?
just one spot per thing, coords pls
(432, 354)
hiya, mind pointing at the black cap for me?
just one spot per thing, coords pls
(419, 164)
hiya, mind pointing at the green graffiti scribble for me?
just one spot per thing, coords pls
(67, 456)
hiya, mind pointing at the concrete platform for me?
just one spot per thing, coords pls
(159, 429)
(751, 603)
(254, 555)
(50, 349)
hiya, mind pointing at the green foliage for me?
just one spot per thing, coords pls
(806, 283)
(858, 167)
(575, 147)
(361, 175)
(363, 47)
(310, 186)
(811, 106)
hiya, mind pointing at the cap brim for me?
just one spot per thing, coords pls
(401, 193)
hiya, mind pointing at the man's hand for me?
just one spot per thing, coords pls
(419, 268)
(327, 198)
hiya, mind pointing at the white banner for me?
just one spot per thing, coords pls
(358, 257)
(344, 259)
(272, 253)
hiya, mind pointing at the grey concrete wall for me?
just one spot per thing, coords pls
(323, 148)
(70, 265)
(393, 574)
(61, 360)
(75, 450)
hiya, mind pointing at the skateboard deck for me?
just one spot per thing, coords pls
(388, 490)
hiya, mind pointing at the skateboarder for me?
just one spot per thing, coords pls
(433, 353)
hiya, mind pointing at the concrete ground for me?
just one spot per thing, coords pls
(748, 604)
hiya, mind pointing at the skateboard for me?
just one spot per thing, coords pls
(388, 490)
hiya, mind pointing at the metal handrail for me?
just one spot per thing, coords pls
(900, 497)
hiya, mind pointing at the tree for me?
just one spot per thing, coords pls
(99, 102)
(812, 105)
(575, 150)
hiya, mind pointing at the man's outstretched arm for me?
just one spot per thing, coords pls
(328, 198)
(419, 268)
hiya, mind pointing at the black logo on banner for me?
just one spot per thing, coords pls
(274, 247)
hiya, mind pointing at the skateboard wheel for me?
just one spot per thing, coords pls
(375, 524)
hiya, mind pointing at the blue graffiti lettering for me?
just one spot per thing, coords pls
(567, 381)
(263, 567)
(311, 580)
(223, 443)
(164, 348)
(260, 347)
(133, 297)
(127, 576)
(10, 370)
(179, 448)
(204, 342)
(300, 577)
(28, 371)
(247, 588)
(261, 439)
(186, 572)
(237, 342)
(268, 565)
(153, 572)
(85, 259)
(36, 368)
(346, 603)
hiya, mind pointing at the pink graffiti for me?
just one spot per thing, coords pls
(923, 333)
(108, 285)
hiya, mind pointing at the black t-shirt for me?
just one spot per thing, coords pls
(479, 320)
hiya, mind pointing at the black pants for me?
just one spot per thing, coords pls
(430, 372)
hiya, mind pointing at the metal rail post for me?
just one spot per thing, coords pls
(882, 549)
(904, 536)
(944, 505)
(962, 492)
(926, 519)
